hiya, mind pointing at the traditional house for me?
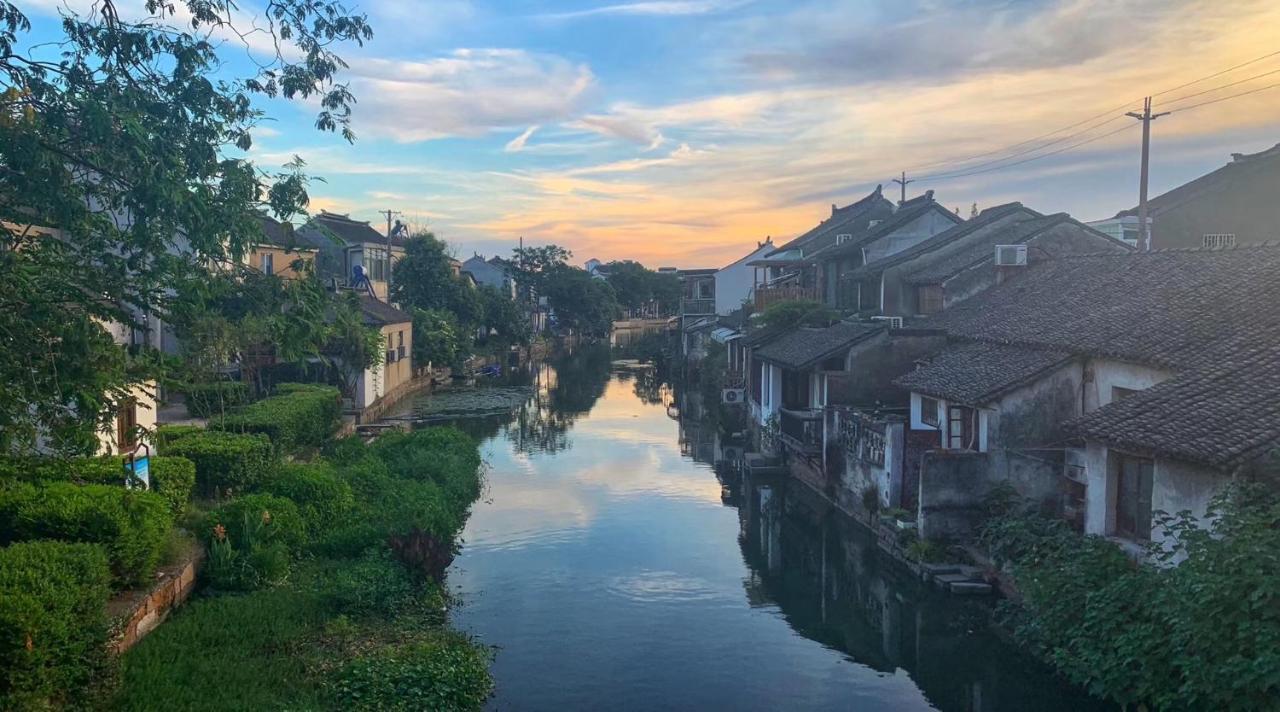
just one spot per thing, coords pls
(278, 251)
(1107, 387)
(351, 252)
(490, 273)
(914, 222)
(736, 282)
(396, 369)
(697, 310)
(1234, 205)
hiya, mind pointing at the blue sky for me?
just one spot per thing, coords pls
(683, 131)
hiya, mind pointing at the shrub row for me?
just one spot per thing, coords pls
(299, 416)
(53, 624)
(206, 399)
(163, 435)
(131, 525)
(226, 461)
(173, 478)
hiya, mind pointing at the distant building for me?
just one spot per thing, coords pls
(487, 273)
(1234, 205)
(278, 249)
(349, 249)
(396, 367)
(735, 283)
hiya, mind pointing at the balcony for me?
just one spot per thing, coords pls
(770, 295)
(801, 430)
(734, 379)
(697, 307)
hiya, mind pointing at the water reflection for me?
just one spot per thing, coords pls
(605, 567)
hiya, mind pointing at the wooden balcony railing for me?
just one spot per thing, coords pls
(697, 307)
(769, 295)
(801, 430)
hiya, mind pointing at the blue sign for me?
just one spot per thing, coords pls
(138, 472)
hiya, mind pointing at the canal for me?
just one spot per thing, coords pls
(610, 570)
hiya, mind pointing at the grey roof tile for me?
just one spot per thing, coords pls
(975, 373)
(804, 347)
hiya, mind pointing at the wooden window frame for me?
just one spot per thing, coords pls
(929, 412)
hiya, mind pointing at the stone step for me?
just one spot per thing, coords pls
(970, 588)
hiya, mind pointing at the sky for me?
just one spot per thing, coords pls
(684, 132)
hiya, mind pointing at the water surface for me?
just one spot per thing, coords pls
(609, 572)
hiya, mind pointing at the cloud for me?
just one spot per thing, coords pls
(469, 92)
(661, 8)
(516, 145)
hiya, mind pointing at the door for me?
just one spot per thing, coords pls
(960, 430)
(1133, 497)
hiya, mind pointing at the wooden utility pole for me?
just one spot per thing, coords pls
(903, 183)
(1146, 117)
(389, 213)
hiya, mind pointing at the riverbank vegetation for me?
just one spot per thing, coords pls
(322, 585)
(1201, 634)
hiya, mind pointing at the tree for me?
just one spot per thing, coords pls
(504, 323)
(533, 265)
(580, 302)
(797, 312)
(424, 279)
(639, 288)
(119, 175)
(435, 338)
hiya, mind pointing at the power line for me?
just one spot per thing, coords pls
(958, 162)
(1225, 98)
(1224, 86)
(1032, 158)
(1033, 149)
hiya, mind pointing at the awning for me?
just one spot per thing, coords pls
(724, 335)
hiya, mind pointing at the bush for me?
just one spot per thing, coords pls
(250, 540)
(163, 435)
(324, 499)
(53, 623)
(226, 461)
(205, 399)
(445, 456)
(171, 477)
(298, 416)
(449, 673)
(131, 525)
(375, 584)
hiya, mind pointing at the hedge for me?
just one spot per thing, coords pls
(279, 515)
(324, 498)
(226, 461)
(131, 525)
(205, 399)
(53, 623)
(299, 415)
(171, 477)
(163, 435)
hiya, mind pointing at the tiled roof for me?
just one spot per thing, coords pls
(981, 221)
(378, 313)
(907, 212)
(350, 231)
(1162, 308)
(953, 263)
(852, 218)
(279, 234)
(1242, 165)
(804, 347)
(974, 373)
(763, 335)
(1221, 417)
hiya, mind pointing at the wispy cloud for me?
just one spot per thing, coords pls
(516, 145)
(673, 8)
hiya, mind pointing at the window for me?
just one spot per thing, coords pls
(1133, 496)
(1219, 240)
(268, 261)
(400, 345)
(930, 298)
(961, 435)
(1119, 394)
(126, 425)
(375, 263)
(929, 411)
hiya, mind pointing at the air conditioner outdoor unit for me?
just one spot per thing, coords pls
(1011, 255)
(733, 395)
(731, 453)
(843, 238)
(895, 322)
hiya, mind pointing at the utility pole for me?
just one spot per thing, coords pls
(903, 183)
(1146, 117)
(389, 213)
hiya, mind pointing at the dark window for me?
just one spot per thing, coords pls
(930, 298)
(1133, 496)
(1118, 393)
(929, 411)
(756, 383)
(268, 263)
(1073, 497)
(961, 435)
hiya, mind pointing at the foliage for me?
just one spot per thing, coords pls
(249, 542)
(580, 302)
(1201, 634)
(130, 525)
(53, 623)
(299, 415)
(205, 399)
(871, 498)
(373, 584)
(532, 267)
(424, 279)
(503, 324)
(323, 498)
(447, 673)
(163, 435)
(641, 290)
(436, 338)
(796, 312)
(226, 462)
(124, 117)
(926, 551)
(172, 478)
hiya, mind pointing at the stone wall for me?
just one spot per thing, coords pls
(137, 613)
